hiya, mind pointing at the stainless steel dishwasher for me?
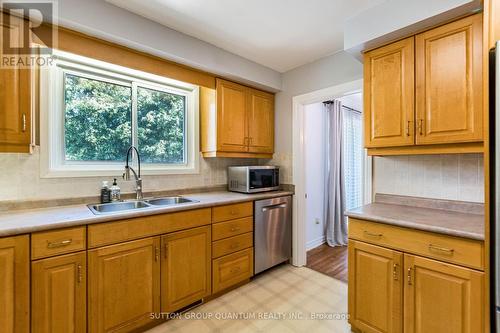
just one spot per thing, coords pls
(273, 232)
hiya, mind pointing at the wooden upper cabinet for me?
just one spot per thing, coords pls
(186, 276)
(124, 285)
(59, 294)
(260, 122)
(15, 95)
(389, 95)
(375, 288)
(231, 117)
(442, 297)
(236, 121)
(449, 97)
(14, 285)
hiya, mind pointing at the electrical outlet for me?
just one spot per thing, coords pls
(317, 221)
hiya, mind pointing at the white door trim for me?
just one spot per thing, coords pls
(299, 202)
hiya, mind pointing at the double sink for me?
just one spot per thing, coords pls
(124, 206)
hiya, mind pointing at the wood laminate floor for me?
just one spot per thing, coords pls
(331, 261)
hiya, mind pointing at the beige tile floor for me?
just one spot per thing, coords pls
(293, 296)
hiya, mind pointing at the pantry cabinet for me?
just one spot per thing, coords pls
(185, 269)
(124, 285)
(424, 94)
(14, 284)
(59, 294)
(375, 288)
(15, 93)
(236, 121)
(441, 297)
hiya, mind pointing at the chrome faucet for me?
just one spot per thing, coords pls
(137, 176)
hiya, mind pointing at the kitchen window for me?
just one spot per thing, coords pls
(93, 111)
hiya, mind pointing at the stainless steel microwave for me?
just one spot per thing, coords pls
(252, 179)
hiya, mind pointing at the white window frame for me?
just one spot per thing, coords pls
(52, 153)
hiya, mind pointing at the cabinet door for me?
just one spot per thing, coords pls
(232, 129)
(442, 297)
(15, 95)
(375, 288)
(389, 95)
(260, 122)
(449, 78)
(59, 294)
(185, 268)
(124, 285)
(14, 284)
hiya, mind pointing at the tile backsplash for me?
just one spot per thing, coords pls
(451, 177)
(20, 179)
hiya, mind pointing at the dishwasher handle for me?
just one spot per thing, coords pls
(267, 208)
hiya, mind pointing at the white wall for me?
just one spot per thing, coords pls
(395, 19)
(103, 20)
(314, 169)
(451, 177)
(338, 68)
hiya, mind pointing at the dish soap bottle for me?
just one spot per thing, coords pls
(105, 192)
(115, 191)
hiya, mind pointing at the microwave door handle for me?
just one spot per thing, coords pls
(265, 209)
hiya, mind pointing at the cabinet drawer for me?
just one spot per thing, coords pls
(232, 269)
(233, 244)
(451, 249)
(231, 212)
(51, 243)
(231, 228)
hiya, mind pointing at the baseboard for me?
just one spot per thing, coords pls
(315, 243)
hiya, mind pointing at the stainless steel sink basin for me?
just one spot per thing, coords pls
(168, 201)
(116, 207)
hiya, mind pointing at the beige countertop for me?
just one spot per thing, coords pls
(441, 221)
(32, 220)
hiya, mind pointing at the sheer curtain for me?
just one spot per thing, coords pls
(353, 158)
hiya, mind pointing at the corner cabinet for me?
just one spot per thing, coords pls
(236, 121)
(424, 94)
(15, 95)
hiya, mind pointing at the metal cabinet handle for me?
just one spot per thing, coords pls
(234, 245)
(421, 126)
(79, 273)
(233, 212)
(408, 128)
(157, 253)
(371, 234)
(409, 276)
(395, 270)
(24, 122)
(265, 209)
(441, 250)
(233, 229)
(53, 245)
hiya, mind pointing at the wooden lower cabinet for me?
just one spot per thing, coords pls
(375, 293)
(124, 285)
(59, 294)
(185, 269)
(442, 297)
(391, 291)
(232, 269)
(14, 284)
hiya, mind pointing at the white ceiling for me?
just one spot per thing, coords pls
(280, 34)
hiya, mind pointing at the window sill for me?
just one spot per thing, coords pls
(85, 172)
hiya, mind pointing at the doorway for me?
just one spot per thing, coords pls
(321, 257)
(309, 227)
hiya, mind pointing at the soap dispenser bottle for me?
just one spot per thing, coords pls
(105, 192)
(115, 191)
